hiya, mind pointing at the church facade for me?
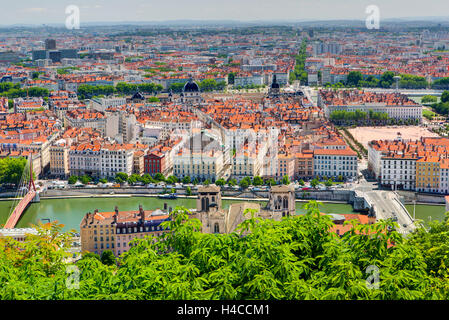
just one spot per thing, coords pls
(215, 219)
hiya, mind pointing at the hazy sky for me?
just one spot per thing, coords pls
(53, 11)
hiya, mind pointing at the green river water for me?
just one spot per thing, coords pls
(70, 211)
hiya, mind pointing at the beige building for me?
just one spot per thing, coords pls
(59, 159)
(115, 230)
(215, 219)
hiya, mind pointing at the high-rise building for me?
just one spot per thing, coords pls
(50, 44)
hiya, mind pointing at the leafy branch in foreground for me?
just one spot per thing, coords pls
(295, 258)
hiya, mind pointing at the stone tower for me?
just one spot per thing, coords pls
(282, 201)
(209, 211)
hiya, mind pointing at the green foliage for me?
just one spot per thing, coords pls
(186, 180)
(11, 169)
(302, 183)
(108, 258)
(85, 179)
(299, 73)
(159, 177)
(220, 182)
(285, 180)
(73, 179)
(86, 91)
(245, 182)
(188, 191)
(314, 183)
(121, 177)
(172, 179)
(442, 83)
(297, 258)
(445, 96)
(257, 181)
(353, 79)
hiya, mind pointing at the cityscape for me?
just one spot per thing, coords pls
(224, 157)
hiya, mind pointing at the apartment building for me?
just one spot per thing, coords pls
(395, 105)
(79, 118)
(115, 158)
(304, 165)
(206, 165)
(428, 174)
(245, 164)
(286, 166)
(115, 230)
(420, 165)
(335, 162)
(59, 159)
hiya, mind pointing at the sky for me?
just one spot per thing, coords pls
(53, 11)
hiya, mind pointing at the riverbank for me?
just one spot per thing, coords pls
(70, 211)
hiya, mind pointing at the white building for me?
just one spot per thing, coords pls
(335, 162)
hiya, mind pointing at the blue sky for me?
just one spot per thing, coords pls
(53, 11)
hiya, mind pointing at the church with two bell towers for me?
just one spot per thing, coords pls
(215, 219)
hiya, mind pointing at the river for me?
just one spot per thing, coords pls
(70, 211)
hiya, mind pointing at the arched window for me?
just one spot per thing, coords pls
(203, 204)
(216, 228)
(285, 202)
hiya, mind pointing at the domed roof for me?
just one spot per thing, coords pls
(191, 86)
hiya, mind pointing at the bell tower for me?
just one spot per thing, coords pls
(209, 211)
(282, 201)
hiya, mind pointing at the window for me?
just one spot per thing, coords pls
(216, 228)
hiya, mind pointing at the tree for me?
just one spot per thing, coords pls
(195, 181)
(297, 258)
(90, 255)
(73, 179)
(186, 180)
(285, 180)
(188, 191)
(220, 182)
(429, 99)
(314, 183)
(121, 177)
(353, 79)
(206, 182)
(11, 169)
(328, 183)
(244, 184)
(270, 182)
(232, 182)
(159, 177)
(172, 179)
(445, 96)
(257, 181)
(85, 179)
(108, 258)
(302, 183)
(134, 178)
(387, 79)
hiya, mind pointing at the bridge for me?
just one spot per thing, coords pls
(26, 193)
